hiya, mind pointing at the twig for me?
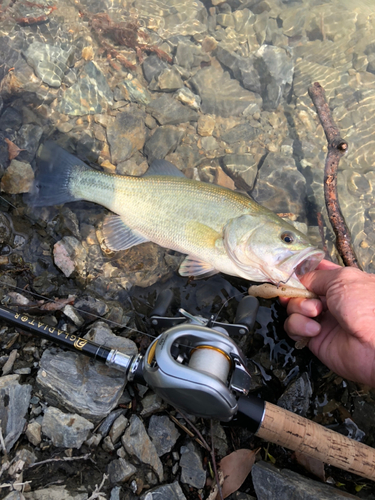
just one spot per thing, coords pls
(96, 493)
(63, 459)
(184, 428)
(204, 442)
(13, 485)
(337, 147)
(213, 458)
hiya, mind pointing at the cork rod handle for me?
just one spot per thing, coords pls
(299, 434)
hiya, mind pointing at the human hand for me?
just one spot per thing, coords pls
(342, 333)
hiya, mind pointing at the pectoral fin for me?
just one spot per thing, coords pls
(193, 266)
(119, 236)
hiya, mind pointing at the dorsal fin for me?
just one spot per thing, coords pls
(163, 167)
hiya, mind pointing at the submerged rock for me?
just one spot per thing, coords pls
(49, 62)
(164, 141)
(126, 134)
(89, 95)
(168, 111)
(221, 95)
(18, 178)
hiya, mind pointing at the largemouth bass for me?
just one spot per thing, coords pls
(220, 230)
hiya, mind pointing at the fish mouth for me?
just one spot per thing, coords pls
(300, 264)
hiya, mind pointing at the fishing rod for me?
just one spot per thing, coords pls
(196, 366)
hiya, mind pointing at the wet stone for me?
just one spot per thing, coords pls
(126, 134)
(66, 430)
(168, 81)
(243, 168)
(137, 443)
(270, 483)
(14, 403)
(152, 67)
(221, 95)
(91, 306)
(133, 90)
(192, 471)
(163, 433)
(164, 141)
(49, 62)
(297, 396)
(18, 178)
(166, 492)
(280, 186)
(206, 125)
(70, 256)
(120, 471)
(28, 138)
(187, 97)
(243, 132)
(89, 95)
(168, 111)
(10, 120)
(190, 56)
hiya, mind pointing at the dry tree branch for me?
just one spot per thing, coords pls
(337, 147)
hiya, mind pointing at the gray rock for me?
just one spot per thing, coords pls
(14, 403)
(14, 495)
(151, 404)
(190, 56)
(171, 491)
(243, 132)
(209, 143)
(102, 334)
(187, 97)
(55, 493)
(133, 90)
(28, 138)
(120, 471)
(80, 385)
(93, 307)
(34, 433)
(49, 62)
(67, 430)
(89, 95)
(152, 67)
(280, 186)
(243, 68)
(297, 396)
(242, 168)
(168, 81)
(115, 493)
(220, 439)
(126, 134)
(164, 141)
(107, 423)
(221, 95)
(270, 483)
(192, 471)
(168, 111)
(163, 433)
(137, 443)
(118, 428)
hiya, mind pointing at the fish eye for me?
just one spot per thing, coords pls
(287, 237)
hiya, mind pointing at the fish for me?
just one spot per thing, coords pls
(219, 230)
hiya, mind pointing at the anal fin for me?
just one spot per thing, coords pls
(119, 236)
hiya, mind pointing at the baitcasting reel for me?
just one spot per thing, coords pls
(195, 365)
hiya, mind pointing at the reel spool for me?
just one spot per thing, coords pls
(211, 360)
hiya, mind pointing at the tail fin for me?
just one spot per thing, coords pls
(54, 170)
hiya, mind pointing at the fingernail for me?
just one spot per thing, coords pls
(312, 328)
(308, 307)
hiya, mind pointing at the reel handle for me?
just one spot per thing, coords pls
(247, 311)
(162, 303)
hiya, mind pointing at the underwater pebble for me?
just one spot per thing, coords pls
(18, 178)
